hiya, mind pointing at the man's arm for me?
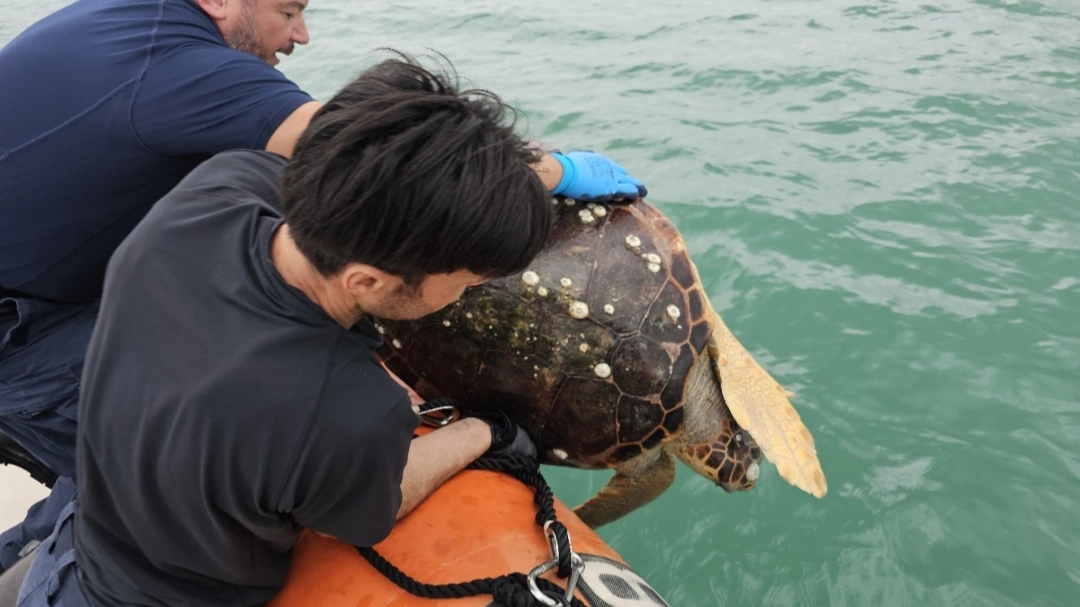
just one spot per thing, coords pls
(439, 455)
(284, 139)
(593, 176)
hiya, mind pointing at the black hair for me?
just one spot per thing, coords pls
(403, 172)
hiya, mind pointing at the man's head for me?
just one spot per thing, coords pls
(262, 28)
(404, 190)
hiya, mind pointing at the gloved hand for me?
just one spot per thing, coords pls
(506, 437)
(594, 177)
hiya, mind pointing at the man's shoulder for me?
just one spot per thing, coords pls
(232, 165)
(123, 24)
(235, 174)
(229, 198)
(358, 387)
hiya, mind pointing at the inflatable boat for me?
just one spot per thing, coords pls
(479, 527)
(480, 524)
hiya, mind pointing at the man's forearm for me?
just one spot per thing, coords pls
(550, 171)
(439, 455)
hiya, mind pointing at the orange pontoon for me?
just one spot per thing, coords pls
(479, 524)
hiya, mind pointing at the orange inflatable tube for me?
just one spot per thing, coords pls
(479, 524)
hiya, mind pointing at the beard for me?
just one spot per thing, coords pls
(404, 303)
(245, 36)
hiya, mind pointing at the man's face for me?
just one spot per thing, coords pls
(433, 294)
(265, 28)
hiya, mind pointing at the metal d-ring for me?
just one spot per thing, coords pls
(447, 414)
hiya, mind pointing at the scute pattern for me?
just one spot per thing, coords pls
(528, 344)
(673, 421)
(699, 336)
(697, 307)
(513, 344)
(675, 392)
(654, 438)
(615, 268)
(683, 272)
(660, 327)
(640, 366)
(569, 416)
(637, 418)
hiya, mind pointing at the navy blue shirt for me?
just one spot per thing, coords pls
(222, 410)
(106, 105)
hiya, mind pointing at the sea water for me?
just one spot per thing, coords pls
(883, 199)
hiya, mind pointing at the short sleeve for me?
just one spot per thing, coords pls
(203, 99)
(348, 481)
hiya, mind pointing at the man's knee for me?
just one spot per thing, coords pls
(41, 415)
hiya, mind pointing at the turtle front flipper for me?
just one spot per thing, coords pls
(761, 407)
(637, 482)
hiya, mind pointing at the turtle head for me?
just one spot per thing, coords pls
(712, 443)
(734, 459)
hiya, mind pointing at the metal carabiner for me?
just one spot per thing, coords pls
(577, 565)
(538, 571)
(553, 541)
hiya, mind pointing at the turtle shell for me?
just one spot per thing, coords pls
(588, 350)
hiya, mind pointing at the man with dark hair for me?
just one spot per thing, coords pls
(231, 393)
(108, 104)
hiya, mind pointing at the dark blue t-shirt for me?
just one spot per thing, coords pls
(106, 105)
(222, 410)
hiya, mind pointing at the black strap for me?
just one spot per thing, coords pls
(510, 590)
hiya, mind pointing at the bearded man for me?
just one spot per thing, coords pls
(107, 105)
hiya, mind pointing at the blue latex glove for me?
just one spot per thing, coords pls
(594, 177)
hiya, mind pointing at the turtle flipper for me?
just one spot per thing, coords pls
(761, 407)
(636, 482)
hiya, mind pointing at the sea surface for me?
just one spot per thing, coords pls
(883, 199)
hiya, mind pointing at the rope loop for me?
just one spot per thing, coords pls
(511, 590)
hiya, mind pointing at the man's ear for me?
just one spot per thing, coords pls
(366, 282)
(214, 8)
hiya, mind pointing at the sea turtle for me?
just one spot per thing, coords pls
(608, 352)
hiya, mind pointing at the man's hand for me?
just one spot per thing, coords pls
(507, 438)
(593, 177)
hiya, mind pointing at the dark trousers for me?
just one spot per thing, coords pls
(54, 578)
(42, 349)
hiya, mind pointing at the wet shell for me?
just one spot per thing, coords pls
(601, 388)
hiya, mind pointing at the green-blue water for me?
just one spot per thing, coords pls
(883, 198)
